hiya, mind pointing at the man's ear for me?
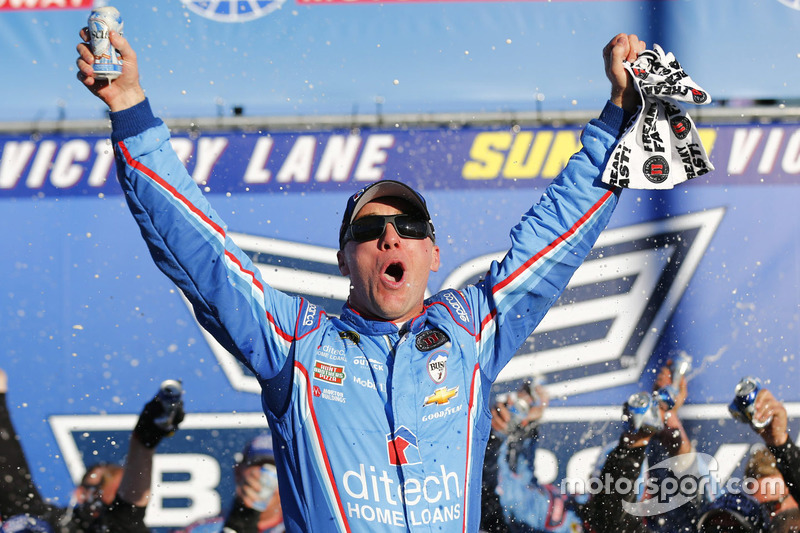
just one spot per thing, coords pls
(435, 263)
(342, 264)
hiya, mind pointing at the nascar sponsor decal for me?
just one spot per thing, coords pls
(430, 340)
(441, 396)
(437, 366)
(328, 394)
(329, 373)
(656, 169)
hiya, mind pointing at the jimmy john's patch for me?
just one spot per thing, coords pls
(430, 340)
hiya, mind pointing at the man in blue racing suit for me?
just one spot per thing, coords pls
(381, 415)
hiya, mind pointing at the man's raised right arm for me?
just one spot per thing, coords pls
(186, 237)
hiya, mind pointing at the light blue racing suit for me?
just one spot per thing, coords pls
(374, 428)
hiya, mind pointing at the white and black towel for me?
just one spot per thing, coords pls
(660, 147)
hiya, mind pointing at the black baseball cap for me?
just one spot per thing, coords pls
(380, 189)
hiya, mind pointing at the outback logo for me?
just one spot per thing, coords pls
(699, 96)
(437, 366)
(430, 340)
(441, 396)
(633, 279)
(681, 127)
(329, 373)
(233, 11)
(452, 299)
(308, 318)
(656, 169)
(402, 447)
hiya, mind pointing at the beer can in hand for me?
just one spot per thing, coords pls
(107, 63)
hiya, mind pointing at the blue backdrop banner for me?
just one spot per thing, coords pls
(91, 327)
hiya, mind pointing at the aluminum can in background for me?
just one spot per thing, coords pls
(107, 63)
(170, 395)
(641, 414)
(743, 406)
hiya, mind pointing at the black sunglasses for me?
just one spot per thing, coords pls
(371, 227)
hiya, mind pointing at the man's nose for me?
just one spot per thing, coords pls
(390, 238)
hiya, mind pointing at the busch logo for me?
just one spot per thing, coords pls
(437, 366)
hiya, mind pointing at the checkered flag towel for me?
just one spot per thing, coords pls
(660, 147)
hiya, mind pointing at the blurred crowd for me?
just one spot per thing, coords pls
(113, 498)
(652, 479)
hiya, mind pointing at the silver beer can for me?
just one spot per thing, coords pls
(170, 395)
(107, 63)
(743, 407)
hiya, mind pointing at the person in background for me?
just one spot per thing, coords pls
(771, 490)
(657, 452)
(110, 498)
(779, 442)
(513, 499)
(256, 505)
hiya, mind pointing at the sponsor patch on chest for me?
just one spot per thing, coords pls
(333, 374)
(430, 340)
(437, 366)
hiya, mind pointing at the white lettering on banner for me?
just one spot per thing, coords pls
(102, 164)
(297, 165)
(41, 164)
(15, 157)
(771, 150)
(257, 165)
(209, 150)
(791, 158)
(65, 173)
(184, 148)
(745, 142)
(338, 158)
(203, 476)
(374, 154)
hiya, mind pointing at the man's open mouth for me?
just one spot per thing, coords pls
(395, 272)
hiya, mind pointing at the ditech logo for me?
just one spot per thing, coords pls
(402, 448)
(233, 11)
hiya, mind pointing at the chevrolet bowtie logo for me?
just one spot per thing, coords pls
(441, 396)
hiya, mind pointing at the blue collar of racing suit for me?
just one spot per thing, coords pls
(381, 327)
